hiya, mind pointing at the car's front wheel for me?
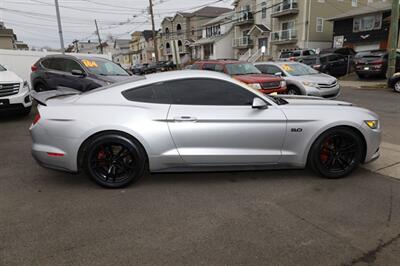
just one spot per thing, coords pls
(115, 161)
(336, 153)
(292, 90)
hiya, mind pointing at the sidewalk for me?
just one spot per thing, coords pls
(389, 162)
(353, 81)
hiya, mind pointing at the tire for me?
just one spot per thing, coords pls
(361, 76)
(396, 86)
(40, 87)
(336, 153)
(114, 161)
(293, 90)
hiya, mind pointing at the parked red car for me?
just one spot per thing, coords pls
(246, 73)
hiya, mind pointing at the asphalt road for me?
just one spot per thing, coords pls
(255, 218)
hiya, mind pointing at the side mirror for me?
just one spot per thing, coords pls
(278, 74)
(77, 72)
(259, 104)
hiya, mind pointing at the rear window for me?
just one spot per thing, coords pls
(154, 93)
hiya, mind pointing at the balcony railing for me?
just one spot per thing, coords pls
(242, 42)
(284, 36)
(285, 8)
(243, 18)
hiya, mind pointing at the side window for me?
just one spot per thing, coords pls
(71, 65)
(262, 68)
(58, 64)
(209, 92)
(219, 68)
(154, 93)
(296, 53)
(195, 66)
(46, 63)
(273, 70)
(208, 66)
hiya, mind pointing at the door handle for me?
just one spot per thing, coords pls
(185, 119)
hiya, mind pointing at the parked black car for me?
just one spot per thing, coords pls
(76, 72)
(143, 69)
(394, 82)
(166, 65)
(331, 64)
(345, 51)
(373, 63)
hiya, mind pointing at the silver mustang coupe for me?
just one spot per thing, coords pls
(197, 121)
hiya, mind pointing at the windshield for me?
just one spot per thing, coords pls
(2, 68)
(242, 69)
(103, 67)
(298, 69)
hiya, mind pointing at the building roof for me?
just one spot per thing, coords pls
(147, 34)
(207, 11)
(364, 10)
(220, 18)
(260, 27)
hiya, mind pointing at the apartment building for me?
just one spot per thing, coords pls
(178, 33)
(216, 41)
(366, 28)
(303, 23)
(279, 25)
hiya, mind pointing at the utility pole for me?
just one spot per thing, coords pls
(154, 30)
(59, 26)
(98, 36)
(393, 36)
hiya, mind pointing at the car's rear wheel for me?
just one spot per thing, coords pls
(336, 153)
(396, 86)
(115, 161)
(292, 90)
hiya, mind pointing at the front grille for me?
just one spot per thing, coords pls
(269, 85)
(9, 89)
(327, 86)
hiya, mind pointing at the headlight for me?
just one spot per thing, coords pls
(310, 84)
(283, 83)
(26, 85)
(372, 124)
(255, 86)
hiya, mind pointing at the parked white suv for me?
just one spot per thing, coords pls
(14, 93)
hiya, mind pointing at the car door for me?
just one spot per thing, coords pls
(73, 81)
(53, 73)
(212, 122)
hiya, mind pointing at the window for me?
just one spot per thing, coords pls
(46, 63)
(71, 65)
(219, 68)
(354, 3)
(57, 64)
(178, 27)
(320, 24)
(208, 66)
(269, 69)
(154, 93)
(367, 23)
(308, 52)
(264, 10)
(196, 66)
(209, 92)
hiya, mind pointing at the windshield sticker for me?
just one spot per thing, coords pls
(287, 68)
(89, 63)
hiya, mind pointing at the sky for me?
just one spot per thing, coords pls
(35, 23)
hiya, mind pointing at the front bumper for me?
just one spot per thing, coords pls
(331, 93)
(373, 141)
(16, 102)
(280, 90)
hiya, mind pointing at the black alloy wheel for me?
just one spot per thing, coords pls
(336, 153)
(115, 161)
(291, 90)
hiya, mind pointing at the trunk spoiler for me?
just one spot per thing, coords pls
(42, 97)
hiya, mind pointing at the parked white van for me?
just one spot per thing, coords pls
(14, 93)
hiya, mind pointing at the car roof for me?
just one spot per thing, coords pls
(223, 62)
(74, 56)
(278, 63)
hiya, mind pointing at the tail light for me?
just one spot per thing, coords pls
(36, 119)
(292, 58)
(34, 68)
(377, 62)
(316, 66)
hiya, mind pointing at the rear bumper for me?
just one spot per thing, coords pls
(275, 90)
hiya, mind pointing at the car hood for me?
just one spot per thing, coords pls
(311, 101)
(320, 78)
(112, 79)
(8, 77)
(256, 78)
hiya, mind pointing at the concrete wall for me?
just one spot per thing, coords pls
(20, 62)
(223, 47)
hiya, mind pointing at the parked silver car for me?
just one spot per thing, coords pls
(197, 121)
(302, 79)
